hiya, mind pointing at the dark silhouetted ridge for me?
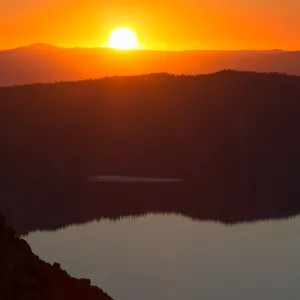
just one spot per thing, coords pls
(231, 136)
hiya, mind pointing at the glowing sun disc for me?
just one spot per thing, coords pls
(123, 39)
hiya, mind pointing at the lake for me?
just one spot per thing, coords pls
(169, 256)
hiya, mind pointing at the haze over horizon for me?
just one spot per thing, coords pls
(104, 47)
(43, 63)
(40, 44)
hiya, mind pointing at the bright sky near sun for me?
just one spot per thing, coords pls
(159, 24)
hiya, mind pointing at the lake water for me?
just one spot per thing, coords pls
(168, 256)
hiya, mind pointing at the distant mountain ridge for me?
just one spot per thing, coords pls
(46, 63)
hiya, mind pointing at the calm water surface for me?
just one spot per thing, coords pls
(171, 257)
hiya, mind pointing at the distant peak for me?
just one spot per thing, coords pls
(40, 46)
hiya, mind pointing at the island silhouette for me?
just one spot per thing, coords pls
(230, 138)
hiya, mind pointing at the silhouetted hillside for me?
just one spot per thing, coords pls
(46, 63)
(24, 276)
(231, 135)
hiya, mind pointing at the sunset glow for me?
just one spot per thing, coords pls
(159, 25)
(123, 39)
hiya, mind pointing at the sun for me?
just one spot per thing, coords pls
(123, 39)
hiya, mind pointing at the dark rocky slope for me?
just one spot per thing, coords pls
(24, 276)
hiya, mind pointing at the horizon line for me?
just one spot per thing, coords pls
(43, 44)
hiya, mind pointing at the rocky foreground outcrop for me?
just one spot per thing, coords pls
(24, 276)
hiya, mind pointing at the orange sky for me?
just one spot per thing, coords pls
(160, 24)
